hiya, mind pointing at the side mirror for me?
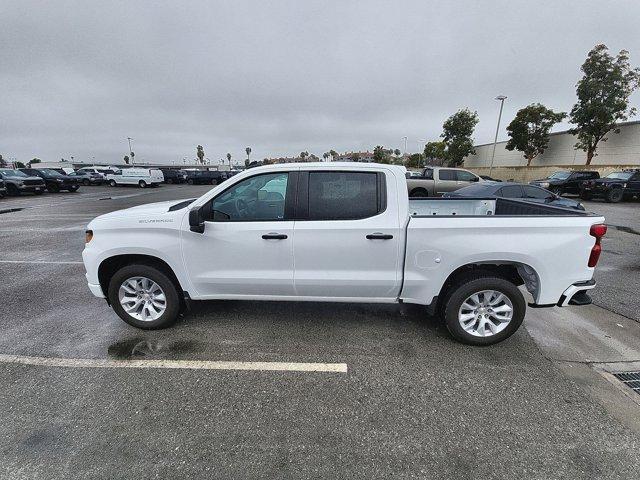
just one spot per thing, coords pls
(476, 179)
(407, 175)
(196, 220)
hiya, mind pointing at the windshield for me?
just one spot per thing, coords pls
(12, 173)
(51, 173)
(620, 175)
(561, 175)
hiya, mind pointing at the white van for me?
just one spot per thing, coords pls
(143, 177)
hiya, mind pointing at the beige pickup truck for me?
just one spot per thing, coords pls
(435, 181)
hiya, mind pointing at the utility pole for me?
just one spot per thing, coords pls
(405, 144)
(130, 151)
(501, 98)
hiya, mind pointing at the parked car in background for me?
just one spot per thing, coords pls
(55, 181)
(172, 175)
(18, 182)
(88, 178)
(357, 237)
(614, 187)
(565, 181)
(489, 179)
(3, 188)
(205, 177)
(529, 193)
(435, 181)
(104, 171)
(142, 177)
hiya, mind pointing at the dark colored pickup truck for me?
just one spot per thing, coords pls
(18, 182)
(614, 187)
(54, 181)
(565, 181)
(172, 175)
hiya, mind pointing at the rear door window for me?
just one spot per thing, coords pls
(511, 191)
(343, 195)
(447, 174)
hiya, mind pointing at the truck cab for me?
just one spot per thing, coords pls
(436, 181)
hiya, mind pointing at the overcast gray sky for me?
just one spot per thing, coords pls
(79, 77)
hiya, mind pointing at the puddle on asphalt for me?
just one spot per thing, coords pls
(143, 348)
(11, 210)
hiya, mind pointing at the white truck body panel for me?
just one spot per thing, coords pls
(133, 176)
(331, 260)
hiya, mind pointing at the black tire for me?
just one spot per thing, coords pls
(172, 311)
(614, 195)
(12, 190)
(467, 286)
(585, 195)
(39, 192)
(86, 182)
(53, 188)
(112, 183)
(190, 181)
(142, 184)
(418, 193)
(169, 181)
(214, 181)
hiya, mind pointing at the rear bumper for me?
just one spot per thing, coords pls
(576, 294)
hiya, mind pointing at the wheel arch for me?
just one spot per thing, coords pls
(109, 266)
(517, 273)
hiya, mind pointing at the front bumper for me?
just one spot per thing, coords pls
(96, 290)
(31, 188)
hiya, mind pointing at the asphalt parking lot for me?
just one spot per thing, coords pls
(411, 404)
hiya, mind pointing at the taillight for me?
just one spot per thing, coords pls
(597, 231)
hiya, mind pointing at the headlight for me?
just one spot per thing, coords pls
(624, 185)
(544, 184)
(59, 180)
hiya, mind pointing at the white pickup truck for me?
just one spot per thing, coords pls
(343, 232)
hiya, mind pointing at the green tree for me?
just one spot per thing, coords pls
(435, 151)
(126, 159)
(35, 160)
(333, 154)
(131, 155)
(529, 130)
(415, 160)
(304, 155)
(355, 157)
(200, 154)
(229, 159)
(379, 155)
(326, 155)
(19, 165)
(603, 97)
(3, 162)
(396, 152)
(457, 135)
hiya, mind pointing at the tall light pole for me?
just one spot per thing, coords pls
(502, 98)
(405, 144)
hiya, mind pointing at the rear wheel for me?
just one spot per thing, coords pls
(112, 183)
(86, 182)
(12, 189)
(614, 195)
(53, 188)
(169, 181)
(482, 309)
(214, 181)
(190, 181)
(144, 297)
(585, 195)
(419, 193)
(142, 184)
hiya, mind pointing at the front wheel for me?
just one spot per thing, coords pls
(483, 309)
(86, 182)
(190, 181)
(585, 195)
(614, 195)
(112, 183)
(418, 193)
(144, 297)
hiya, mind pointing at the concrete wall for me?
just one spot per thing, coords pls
(622, 149)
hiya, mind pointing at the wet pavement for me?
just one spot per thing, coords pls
(413, 403)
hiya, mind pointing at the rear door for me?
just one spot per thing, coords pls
(447, 181)
(347, 235)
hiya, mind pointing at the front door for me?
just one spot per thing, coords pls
(246, 249)
(347, 239)
(447, 181)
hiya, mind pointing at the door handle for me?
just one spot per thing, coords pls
(379, 236)
(274, 236)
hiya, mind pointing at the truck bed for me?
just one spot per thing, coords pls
(480, 207)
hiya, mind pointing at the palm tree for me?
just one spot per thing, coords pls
(304, 155)
(229, 158)
(248, 150)
(325, 155)
(200, 153)
(333, 154)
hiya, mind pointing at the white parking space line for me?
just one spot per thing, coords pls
(174, 364)
(43, 262)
